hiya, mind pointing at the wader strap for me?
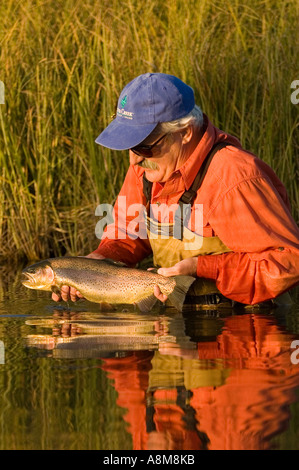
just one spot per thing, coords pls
(186, 200)
(147, 188)
(189, 195)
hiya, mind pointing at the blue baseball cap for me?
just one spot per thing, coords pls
(146, 101)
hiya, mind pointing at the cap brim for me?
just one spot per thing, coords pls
(118, 136)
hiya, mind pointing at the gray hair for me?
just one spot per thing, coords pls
(194, 118)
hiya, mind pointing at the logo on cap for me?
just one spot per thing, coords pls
(124, 101)
(121, 112)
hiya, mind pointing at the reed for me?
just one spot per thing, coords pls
(64, 63)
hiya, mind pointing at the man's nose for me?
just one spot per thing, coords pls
(135, 159)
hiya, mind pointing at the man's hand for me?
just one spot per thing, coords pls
(67, 293)
(71, 293)
(186, 267)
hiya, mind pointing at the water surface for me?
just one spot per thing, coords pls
(75, 377)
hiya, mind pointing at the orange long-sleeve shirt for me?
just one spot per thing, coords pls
(243, 203)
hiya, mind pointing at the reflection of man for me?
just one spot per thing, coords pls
(249, 242)
(234, 394)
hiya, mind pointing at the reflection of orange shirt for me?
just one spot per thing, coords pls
(244, 204)
(250, 408)
(130, 375)
(249, 341)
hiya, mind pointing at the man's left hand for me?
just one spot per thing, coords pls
(186, 267)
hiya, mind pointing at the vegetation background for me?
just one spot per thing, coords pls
(64, 62)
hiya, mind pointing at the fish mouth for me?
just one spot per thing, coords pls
(41, 278)
(29, 280)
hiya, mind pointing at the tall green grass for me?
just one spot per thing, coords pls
(64, 63)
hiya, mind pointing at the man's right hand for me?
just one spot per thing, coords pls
(67, 293)
(71, 293)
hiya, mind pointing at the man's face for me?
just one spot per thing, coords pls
(168, 156)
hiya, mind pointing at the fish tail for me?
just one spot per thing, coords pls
(177, 296)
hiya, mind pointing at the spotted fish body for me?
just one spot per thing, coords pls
(106, 281)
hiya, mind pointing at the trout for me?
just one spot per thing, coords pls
(106, 280)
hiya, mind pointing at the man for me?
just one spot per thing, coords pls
(245, 242)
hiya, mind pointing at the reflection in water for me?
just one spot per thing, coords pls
(77, 378)
(233, 392)
(88, 334)
(201, 380)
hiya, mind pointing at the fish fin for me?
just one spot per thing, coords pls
(145, 305)
(177, 296)
(114, 263)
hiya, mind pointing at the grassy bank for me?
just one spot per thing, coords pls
(64, 63)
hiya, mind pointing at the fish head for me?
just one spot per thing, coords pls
(39, 276)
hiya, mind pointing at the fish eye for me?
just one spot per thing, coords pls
(33, 270)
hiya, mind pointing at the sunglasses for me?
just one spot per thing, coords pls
(146, 150)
